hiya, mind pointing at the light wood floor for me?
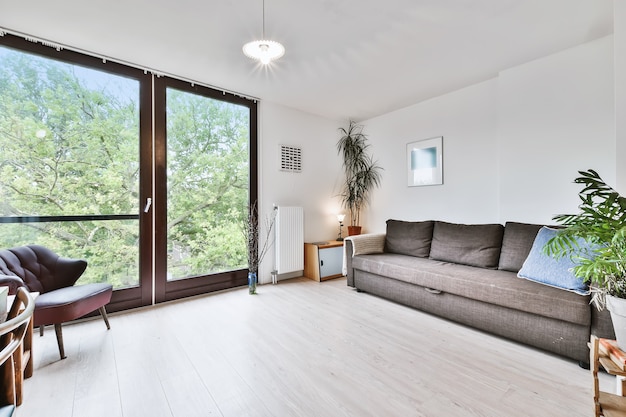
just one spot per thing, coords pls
(298, 348)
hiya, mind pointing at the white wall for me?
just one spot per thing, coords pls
(512, 145)
(555, 118)
(619, 16)
(314, 187)
(467, 121)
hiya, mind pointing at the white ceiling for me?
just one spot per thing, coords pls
(345, 58)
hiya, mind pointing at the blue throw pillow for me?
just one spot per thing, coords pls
(551, 271)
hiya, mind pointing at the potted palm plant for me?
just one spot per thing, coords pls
(601, 223)
(361, 172)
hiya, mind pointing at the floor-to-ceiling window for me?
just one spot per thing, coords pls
(203, 184)
(146, 178)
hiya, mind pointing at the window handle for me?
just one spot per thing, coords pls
(148, 204)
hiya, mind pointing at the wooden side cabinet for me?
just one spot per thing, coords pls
(323, 260)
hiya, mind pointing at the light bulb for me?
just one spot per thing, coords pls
(264, 57)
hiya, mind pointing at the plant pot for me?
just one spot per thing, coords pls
(617, 307)
(354, 230)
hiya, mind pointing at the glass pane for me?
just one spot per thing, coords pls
(113, 257)
(207, 184)
(70, 147)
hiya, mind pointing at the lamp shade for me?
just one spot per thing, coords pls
(264, 50)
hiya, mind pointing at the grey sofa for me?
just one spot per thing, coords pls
(468, 274)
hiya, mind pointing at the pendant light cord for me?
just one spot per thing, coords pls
(264, 50)
(263, 20)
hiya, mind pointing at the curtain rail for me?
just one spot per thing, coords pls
(104, 58)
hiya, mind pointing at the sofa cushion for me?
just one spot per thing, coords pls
(409, 238)
(475, 245)
(516, 243)
(549, 270)
(497, 287)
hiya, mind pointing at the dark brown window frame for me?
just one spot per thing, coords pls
(171, 290)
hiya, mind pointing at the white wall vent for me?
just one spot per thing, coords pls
(290, 158)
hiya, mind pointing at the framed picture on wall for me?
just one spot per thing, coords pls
(425, 162)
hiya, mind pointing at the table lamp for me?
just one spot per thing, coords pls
(340, 217)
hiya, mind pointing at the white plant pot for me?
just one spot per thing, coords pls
(617, 307)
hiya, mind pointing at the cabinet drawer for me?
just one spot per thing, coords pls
(331, 260)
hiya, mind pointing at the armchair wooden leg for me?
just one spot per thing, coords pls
(18, 371)
(7, 378)
(28, 351)
(59, 332)
(103, 312)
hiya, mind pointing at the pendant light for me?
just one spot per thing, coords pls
(264, 50)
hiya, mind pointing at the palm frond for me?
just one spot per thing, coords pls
(601, 222)
(361, 171)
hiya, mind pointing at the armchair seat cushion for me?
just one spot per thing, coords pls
(70, 303)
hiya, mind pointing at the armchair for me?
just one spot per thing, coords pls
(43, 271)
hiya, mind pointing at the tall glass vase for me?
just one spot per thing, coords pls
(252, 280)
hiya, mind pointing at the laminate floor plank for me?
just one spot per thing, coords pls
(96, 373)
(140, 350)
(298, 348)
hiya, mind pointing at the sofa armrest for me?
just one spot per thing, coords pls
(368, 243)
(360, 245)
(347, 262)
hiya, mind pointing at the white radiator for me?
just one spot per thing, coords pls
(289, 239)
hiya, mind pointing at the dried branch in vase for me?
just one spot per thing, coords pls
(256, 234)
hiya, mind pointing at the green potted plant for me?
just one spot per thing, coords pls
(601, 223)
(361, 172)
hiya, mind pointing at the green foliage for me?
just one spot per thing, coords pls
(207, 184)
(70, 146)
(361, 172)
(67, 150)
(602, 223)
